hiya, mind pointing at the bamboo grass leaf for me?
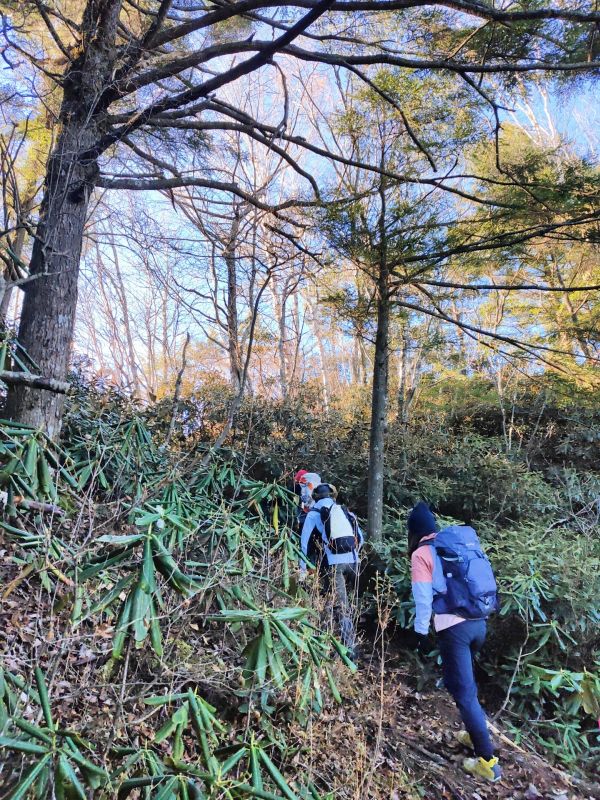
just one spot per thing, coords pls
(161, 700)
(121, 540)
(95, 776)
(21, 790)
(43, 693)
(66, 774)
(21, 745)
(276, 775)
(32, 730)
(121, 631)
(232, 761)
(255, 768)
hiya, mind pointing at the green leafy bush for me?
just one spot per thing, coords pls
(54, 757)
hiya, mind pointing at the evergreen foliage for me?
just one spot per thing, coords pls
(203, 559)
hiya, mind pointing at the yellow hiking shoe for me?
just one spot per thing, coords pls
(463, 737)
(488, 770)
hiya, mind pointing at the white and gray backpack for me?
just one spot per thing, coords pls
(341, 528)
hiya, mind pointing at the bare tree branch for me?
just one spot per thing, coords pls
(211, 85)
(509, 287)
(148, 184)
(35, 381)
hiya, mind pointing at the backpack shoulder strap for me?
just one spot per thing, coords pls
(354, 523)
(425, 543)
(349, 516)
(325, 514)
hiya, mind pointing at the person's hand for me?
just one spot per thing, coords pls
(423, 646)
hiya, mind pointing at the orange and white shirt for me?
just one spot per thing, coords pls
(427, 578)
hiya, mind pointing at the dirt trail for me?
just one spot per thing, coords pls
(408, 739)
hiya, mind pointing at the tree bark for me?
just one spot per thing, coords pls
(379, 399)
(177, 392)
(403, 378)
(50, 301)
(122, 293)
(364, 361)
(233, 338)
(237, 400)
(280, 309)
(379, 404)
(318, 334)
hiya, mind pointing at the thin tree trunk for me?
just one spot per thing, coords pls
(131, 355)
(364, 361)
(402, 377)
(318, 334)
(379, 399)
(164, 341)
(574, 316)
(177, 392)
(93, 338)
(110, 309)
(461, 337)
(297, 340)
(279, 303)
(402, 417)
(233, 339)
(17, 248)
(355, 360)
(237, 400)
(50, 303)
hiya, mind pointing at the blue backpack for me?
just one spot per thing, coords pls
(471, 589)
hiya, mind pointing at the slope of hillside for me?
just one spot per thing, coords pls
(151, 619)
(387, 740)
(402, 743)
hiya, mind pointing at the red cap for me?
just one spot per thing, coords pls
(300, 474)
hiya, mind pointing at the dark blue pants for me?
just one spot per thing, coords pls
(458, 644)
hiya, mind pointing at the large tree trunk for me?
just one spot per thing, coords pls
(50, 302)
(379, 400)
(49, 305)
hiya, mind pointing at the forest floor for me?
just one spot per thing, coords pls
(393, 738)
(402, 741)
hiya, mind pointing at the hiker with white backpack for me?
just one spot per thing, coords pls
(453, 580)
(331, 538)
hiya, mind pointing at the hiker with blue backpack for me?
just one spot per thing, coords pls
(453, 580)
(331, 539)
